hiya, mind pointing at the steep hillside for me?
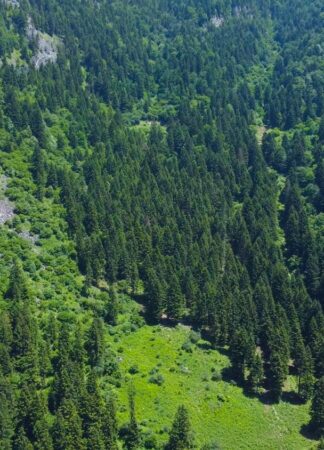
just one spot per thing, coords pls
(161, 224)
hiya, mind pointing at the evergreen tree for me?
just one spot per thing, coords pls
(175, 299)
(181, 437)
(37, 126)
(317, 408)
(67, 429)
(132, 438)
(6, 414)
(95, 342)
(109, 424)
(256, 373)
(155, 296)
(21, 442)
(241, 353)
(17, 289)
(277, 374)
(39, 172)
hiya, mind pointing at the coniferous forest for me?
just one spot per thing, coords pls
(161, 224)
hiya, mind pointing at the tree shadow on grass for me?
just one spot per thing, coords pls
(205, 346)
(228, 376)
(308, 432)
(266, 397)
(291, 397)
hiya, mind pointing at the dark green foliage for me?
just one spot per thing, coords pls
(256, 374)
(317, 408)
(17, 289)
(39, 171)
(95, 342)
(109, 424)
(241, 353)
(139, 146)
(132, 434)
(181, 437)
(7, 412)
(67, 429)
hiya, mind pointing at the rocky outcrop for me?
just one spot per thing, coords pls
(6, 206)
(47, 46)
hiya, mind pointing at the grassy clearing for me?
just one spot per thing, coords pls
(219, 410)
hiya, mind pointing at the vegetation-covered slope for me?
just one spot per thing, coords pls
(172, 152)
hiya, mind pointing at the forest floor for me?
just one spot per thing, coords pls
(164, 375)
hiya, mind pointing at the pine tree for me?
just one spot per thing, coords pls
(321, 131)
(306, 386)
(39, 172)
(17, 289)
(111, 307)
(5, 361)
(43, 440)
(132, 438)
(109, 424)
(91, 410)
(256, 374)
(155, 296)
(317, 408)
(175, 299)
(95, 342)
(21, 441)
(6, 414)
(278, 372)
(67, 429)
(241, 352)
(37, 126)
(181, 437)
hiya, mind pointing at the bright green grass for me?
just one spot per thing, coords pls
(219, 411)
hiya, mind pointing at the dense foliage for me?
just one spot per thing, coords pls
(174, 151)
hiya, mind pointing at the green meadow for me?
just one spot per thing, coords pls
(164, 365)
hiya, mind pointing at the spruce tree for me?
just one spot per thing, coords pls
(181, 437)
(132, 438)
(175, 299)
(7, 412)
(67, 429)
(17, 289)
(277, 374)
(109, 424)
(256, 373)
(155, 296)
(95, 342)
(317, 408)
(241, 352)
(39, 172)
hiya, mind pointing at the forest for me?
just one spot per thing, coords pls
(161, 224)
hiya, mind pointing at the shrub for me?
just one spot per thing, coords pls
(216, 376)
(157, 379)
(194, 337)
(133, 369)
(187, 347)
(150, 442)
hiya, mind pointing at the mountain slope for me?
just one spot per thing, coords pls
(169, 153)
